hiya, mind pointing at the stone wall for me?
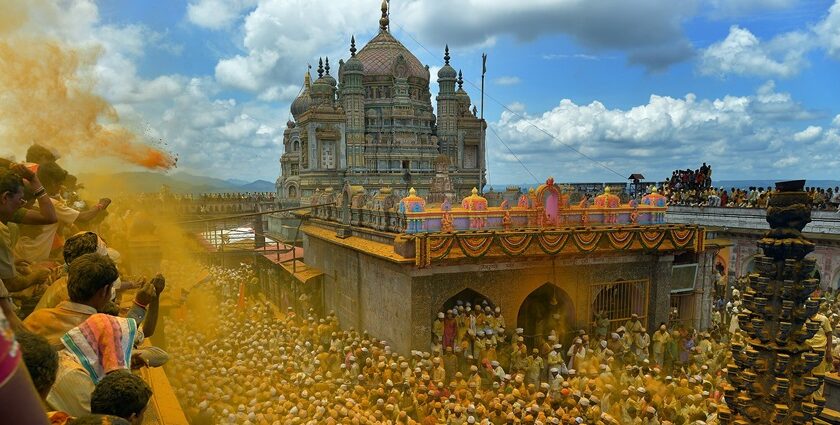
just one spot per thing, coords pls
(508, 284)
(399, 302)
(366, 292)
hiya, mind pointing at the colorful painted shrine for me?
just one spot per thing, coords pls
(544, 208)
(410, 205)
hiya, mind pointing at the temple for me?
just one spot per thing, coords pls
(372, 124)
(390, 264)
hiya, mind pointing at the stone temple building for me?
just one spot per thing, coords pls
(371, 124)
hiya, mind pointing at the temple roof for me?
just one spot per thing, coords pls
(380, 54)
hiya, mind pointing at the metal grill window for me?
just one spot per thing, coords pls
(682, 310)
(620, 299)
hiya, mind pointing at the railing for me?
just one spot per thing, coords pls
(825, 222)
(493, 218)
(498, 218)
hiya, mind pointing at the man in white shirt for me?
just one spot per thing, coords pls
(36, 242)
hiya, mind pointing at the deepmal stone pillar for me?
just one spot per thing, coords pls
(771, 379)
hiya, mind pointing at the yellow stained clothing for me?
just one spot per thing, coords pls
(54, 295)
(53, 323)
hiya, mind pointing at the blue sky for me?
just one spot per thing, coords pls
(749, 86)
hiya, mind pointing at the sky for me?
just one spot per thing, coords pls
(578, 90)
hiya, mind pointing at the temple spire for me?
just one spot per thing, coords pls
(446, 55)
(460, 80)
(320, 67)
(384, 21)
(327, 65)
(306, 78)
(352, 46)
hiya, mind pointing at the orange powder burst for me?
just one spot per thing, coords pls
(46, 97)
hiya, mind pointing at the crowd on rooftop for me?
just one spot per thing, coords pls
(694, 188)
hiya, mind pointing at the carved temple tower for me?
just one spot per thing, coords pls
(372, 125)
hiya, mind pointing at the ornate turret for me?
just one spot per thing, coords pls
(463, 98)
(327, 77)
(447, 72)
(322, 90)
(607, 199)
(353, 64)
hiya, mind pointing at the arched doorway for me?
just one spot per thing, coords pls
(467, 297)
(466, 315)
(292, 192)
(748, 267)
(548, 308)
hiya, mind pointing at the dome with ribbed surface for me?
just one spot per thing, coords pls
(302, 103)
(380, 54)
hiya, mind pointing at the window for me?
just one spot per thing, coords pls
(470, 157)
(406, 164)
(296, 146)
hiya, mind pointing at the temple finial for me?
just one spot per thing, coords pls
(306, 77)
(460, 79)
(327, 65)
(446, 55)
(352, 46)
(320, 67)
(384, 21)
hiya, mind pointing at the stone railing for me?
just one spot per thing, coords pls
(546, 207)
(824, 222)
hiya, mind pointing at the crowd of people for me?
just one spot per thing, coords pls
(73, 323)
(258, 365)
(753, 197)
(688, 179)
(694, 188)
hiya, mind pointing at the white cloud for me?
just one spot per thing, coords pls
(507, 80)
(737, 134)
(517, 107)
(836, 121)
(217, 14)
(809, 134)
(742, 53)
(279, 40)
(605, 24)
(828, 31)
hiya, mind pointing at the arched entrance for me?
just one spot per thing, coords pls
(748, 267)
(465, 297)
(548, 308)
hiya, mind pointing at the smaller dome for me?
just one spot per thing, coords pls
(447, 72)
(321, 88)
(353, 64)
(461, 94)
(328, 78)
(302, 103)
